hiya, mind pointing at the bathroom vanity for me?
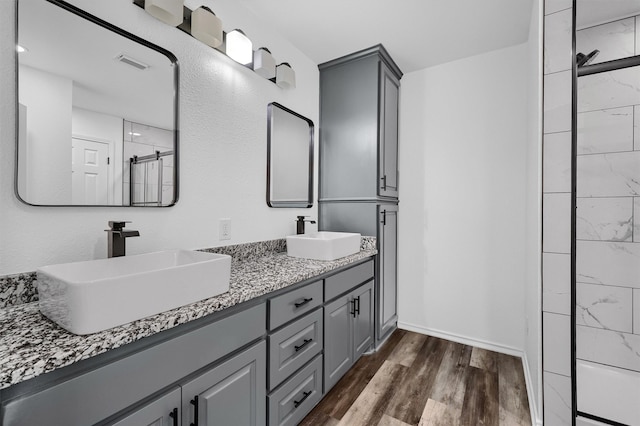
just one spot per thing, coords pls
(263, 353)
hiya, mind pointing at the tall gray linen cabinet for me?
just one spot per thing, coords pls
(359, 162)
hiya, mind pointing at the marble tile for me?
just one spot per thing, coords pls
(609, 175)
(606, 219)
(557, 400)
(556, 283)
(608, 392)
(608, 130)
(608, 347)
(556, 223)
(614, 40)
(557, 162)
(581, 421)
(608, 90)
(557, 41)
(636, 126)
(636, 219)
(557, 102)
(604, 306)
(556, 343)
(608, 263)
(552, 6)
(636, 311)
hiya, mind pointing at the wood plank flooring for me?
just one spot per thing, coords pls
(419, 380)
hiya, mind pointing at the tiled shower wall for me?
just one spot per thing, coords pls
(556, 217)
(608, 226)
(608, 205)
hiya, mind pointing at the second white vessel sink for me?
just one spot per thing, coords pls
(87, 297)
(323, 245)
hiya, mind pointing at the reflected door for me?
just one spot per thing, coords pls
(89, 172)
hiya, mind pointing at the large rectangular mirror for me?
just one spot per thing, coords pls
(97, 112)
(289, 158)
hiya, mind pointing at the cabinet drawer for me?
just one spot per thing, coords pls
(297, 396)
(293, 346)
(288, 306)
(346, 280)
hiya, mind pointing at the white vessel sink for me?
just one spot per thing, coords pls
(323, 245)
(87, 297)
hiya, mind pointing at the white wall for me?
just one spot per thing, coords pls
(463, 147)
(223, 124)
(533, 218)
(47, 98)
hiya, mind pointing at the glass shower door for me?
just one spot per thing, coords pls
(607, 225)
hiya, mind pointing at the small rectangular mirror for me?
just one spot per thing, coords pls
(289, 158)
(97, 112)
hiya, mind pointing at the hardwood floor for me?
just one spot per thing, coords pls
(419, 380)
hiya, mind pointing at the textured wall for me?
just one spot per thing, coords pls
(223, 126)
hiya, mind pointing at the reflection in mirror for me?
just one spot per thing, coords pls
(97, 113)
(289, 158)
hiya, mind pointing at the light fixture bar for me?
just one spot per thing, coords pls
(246, 56)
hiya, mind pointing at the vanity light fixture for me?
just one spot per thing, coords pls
(285, 76)
(168, 11)
(263, 63)
(239, 47)
(206, 26)
(203, 25)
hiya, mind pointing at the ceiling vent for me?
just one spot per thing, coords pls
(130, 61)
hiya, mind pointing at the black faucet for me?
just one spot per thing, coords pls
(116, 237)
(300, 224)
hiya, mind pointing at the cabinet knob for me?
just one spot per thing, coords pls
(174, 415)
(303, 302)
(296, 404)
(304, 343)
(194, 402)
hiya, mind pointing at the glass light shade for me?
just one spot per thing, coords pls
(206, 27)
(263, 63)
(239, 47)
(285, 76)
(168, 11)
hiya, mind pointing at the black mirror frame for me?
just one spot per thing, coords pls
(289, 204)
(176, 84)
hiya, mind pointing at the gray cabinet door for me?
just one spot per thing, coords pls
(349, 129)
(363, 321)
(388, 156)
(338, 354)
(231, 394)
(164, 411)
(387, 312)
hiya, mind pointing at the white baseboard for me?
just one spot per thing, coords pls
(465, 340)
(536, 416)
(483, 344)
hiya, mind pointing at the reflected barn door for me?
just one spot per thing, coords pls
(89, 172)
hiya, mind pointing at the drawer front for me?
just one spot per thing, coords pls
(347, 280)
(288, 306)
(293, 346)
(297, 396)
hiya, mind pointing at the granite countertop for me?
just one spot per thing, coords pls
(31, 344)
